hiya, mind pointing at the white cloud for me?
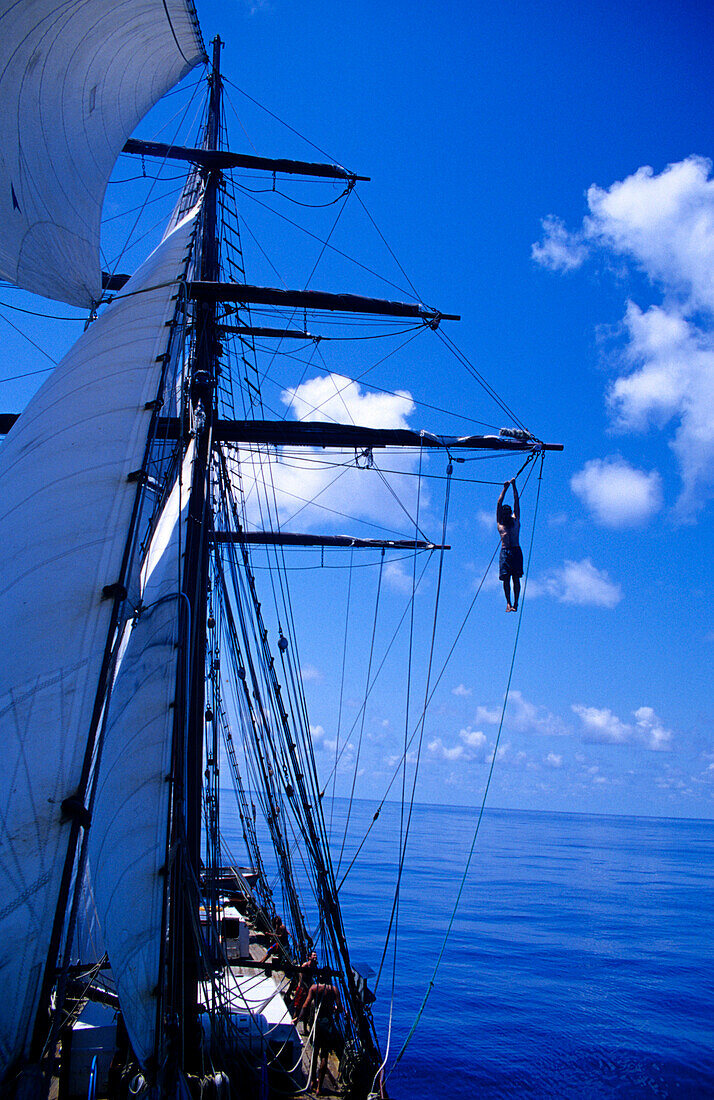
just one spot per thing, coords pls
(397, 577)
(526, 717)
(322, 743)
(338, 399)
(662, 224)
(554, 759)
(618, 494)
(672, 378)
(559, 250)
(602, 726)
(651, 729)
(475, 739)
(461, 689)
(522, 716)
(317, 488)
(579, 582)
(438, 747)
(472, 747)
(492, 715)
(665, 223)
(309, 672)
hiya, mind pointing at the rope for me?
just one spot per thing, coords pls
(394, 916)
(364, 709)
(342, 690)
(468, 365)
(485, 793)
(428, 702)
(277, 118)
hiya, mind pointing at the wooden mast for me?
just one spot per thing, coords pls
(186, 965)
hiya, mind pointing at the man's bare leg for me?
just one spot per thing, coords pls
(507, 590)
(516, 592)
(321, 1075)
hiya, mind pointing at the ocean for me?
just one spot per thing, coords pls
(580, 962)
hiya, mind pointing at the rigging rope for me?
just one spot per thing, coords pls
(342, 687)
(364, 710)
(431, 696)
(462, 883)
(422, 724)
(465, 362)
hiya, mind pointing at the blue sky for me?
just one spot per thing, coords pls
(540, 169)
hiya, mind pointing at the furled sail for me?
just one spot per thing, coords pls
(76, 76)
(132, 801)
(65, 512)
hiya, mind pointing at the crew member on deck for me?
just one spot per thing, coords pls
(324, 998)
(510, 562)
(306, 978)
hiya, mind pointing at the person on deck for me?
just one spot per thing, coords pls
(325, 999)
(306, 978)
(510, 562)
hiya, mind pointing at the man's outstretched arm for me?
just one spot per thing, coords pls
(516, 502)
(499, 502)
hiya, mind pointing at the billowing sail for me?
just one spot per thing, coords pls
(132, 801)
(65, 511)
(76, 76)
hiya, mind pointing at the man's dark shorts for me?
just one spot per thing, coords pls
(510, 563)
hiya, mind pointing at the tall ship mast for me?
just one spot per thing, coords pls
(139, 667)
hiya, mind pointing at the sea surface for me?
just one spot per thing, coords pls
(580, 962)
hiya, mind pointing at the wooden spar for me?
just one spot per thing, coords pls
(278, 333)
(219, 159)
(203, 291)
(314, 434)
(292, 538)
(297, 433)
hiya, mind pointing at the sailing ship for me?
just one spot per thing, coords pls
(137, 660)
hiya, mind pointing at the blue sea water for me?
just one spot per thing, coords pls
(580, 963)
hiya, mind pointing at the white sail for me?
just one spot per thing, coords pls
(76, 76)
(132, 800)
(65, 510)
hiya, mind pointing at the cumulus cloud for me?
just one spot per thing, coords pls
(322, 743)
(318, 487)
(472, 747)
(663, 225)
(559, 250)
(526, 717)
(461, 689)
(601, 726)
(522, 716)
(492, 715)
(474, 739)
(578, 582)
(672, 379)
(617, 493)
(554, 759)
(438, 748)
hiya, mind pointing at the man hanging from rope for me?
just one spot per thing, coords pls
(510, 562)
